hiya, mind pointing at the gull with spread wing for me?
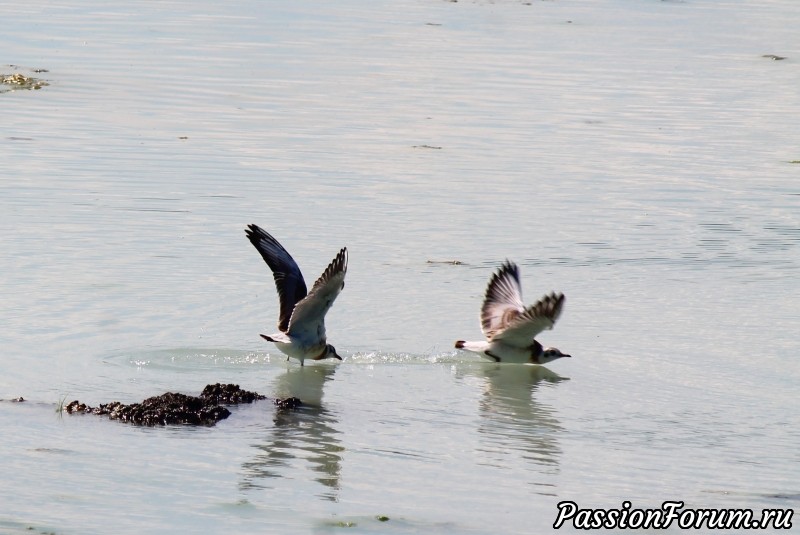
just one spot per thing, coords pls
(301, 323)
(510, 327)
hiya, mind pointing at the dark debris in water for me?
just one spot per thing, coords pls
(288, 403)
(169, 408)
(229, 394)
(174, 408)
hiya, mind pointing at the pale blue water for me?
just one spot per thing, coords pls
(634, 155)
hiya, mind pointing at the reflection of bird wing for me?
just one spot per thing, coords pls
(308, 318)
(288, 278)
(520, 328)
(503, 300)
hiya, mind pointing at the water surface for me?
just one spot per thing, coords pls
(634, 155)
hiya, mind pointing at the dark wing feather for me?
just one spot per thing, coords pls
(538, 317)
(288, 278)
(308, 318)
(503, 300)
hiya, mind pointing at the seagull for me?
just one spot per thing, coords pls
(509, 326)
(302, 315)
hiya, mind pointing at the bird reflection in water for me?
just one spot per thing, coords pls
(300, 437)
(513, 423)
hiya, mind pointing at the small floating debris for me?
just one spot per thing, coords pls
(17, 81)
(20, 67)
(425, 147)
(448, 262)
(174, 408)
(773, 57)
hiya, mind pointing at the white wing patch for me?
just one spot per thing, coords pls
(503, 300)
(522, 328)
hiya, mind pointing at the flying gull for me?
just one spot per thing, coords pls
(301, 323)
(510, 327)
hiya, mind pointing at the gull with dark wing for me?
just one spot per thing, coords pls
(510, 327)
(301, 323)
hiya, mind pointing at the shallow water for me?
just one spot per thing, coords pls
(635, 156)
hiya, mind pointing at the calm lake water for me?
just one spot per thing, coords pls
(636, 155)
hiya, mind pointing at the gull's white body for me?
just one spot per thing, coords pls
(505, 352)
(298, 347)
(301, 323)
(510, 327)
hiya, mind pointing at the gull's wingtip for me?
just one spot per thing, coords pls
(339, 263)
(254, 233)
(508, 265)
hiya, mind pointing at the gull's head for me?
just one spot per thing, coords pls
(330, 353)
(549, 354)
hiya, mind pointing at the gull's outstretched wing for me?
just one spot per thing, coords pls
(308, 320)
(520, 329)
(503, 300)
(288, 278)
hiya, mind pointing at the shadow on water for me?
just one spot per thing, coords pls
(512, 420)
(299, 436)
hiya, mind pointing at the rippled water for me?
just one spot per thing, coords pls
(638, 156)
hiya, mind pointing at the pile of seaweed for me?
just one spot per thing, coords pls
(17, 81)
(174, 408)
